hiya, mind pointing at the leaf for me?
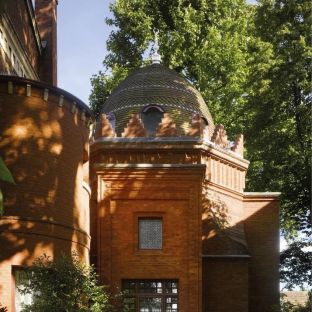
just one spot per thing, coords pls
(5, 174)
(1, 203)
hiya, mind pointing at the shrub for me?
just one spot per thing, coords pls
(65, 285)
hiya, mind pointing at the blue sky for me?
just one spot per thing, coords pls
(82, 35)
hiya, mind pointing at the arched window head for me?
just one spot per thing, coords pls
(151, 116)
(204, 121)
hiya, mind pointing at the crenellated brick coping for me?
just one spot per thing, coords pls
(167, 128)
(65, 99)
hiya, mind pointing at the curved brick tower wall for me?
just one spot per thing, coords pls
(44, 142)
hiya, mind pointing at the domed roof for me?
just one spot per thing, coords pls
(156, 85)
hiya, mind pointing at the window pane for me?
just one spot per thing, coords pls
(171, 304)
(20, 298)
(129, 304)
(150, 233)
(171, 288)
(151, 119)
(150, 287)
(151, 295)
(150, 304)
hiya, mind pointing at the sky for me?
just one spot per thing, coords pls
(82, 35)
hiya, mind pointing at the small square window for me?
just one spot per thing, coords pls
(150, 233)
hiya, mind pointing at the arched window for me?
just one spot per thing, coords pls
(204, 121)
(112, 120)
(151, 116)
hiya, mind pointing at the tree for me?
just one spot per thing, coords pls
(279, 111)
(5, 176)
(66, 285)
(279, 132)
(296, 260)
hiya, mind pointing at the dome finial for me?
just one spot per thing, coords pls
(156, 58)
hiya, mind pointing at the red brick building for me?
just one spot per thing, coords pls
(170, 222)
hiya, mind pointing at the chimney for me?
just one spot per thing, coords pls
(46, 16)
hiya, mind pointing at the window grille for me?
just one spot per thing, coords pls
(150, 233)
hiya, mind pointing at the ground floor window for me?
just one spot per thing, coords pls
(21, 299)
(151, 295)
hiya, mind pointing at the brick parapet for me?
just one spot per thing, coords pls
(13, 85)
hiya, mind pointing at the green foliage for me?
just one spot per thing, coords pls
(5, 175)
(279, 109)
(252, 65)
(278, 133)
(296, 262)
(64, 285)
(102, 84)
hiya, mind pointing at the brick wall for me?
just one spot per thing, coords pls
(262, 235)
(225, 284)
(46, 16)
(174, 195)
(20, 18)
